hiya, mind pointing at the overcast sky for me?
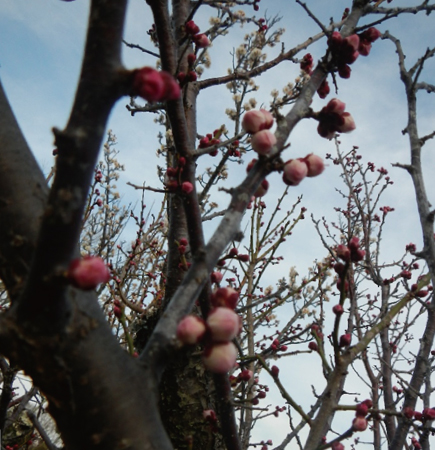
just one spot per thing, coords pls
(41, 43)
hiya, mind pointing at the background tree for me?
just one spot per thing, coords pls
(107, 360)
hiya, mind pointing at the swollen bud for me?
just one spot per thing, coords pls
(190, 330)
(359, 424)
(223, 324)
(295, 171)
(263, 141)
(220, 358)
(88, 272)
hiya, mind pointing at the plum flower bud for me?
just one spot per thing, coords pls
(263, 141)
(216, 277)
(348, 123)
(345, 340)
(295, 171)
(254, 121)
(148, 84)
(88, 272)
(223, 324)
(225, 296)
(246, 375)
(315, 165)
(337, 446)
(362, 410)
(191, 27)
(190, 330)
(343, 252)
(352, 42)
(335, 106)
(274, 370)
(262, 189)
(338, 310)
(359, 424)
(371, 34)
(268, 119)
(220, 358)
(201, 40)
(187, 187)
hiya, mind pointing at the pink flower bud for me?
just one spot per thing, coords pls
(324, 89)
(220, 358)
(362, 410)
(244, 257)
(348, 123)
(429, 414)
(295, 171)
(335, 41)
(88, 272)
(352, 41)
(216, 277)
(191, 27)
(223, 324)
(338, 310)
(364, 47)
(408, 412)
(359, 424)
(201, 40)
(246, 375)
(275, 371)
(343, 252)
(268, 119)
(253, 121)
(345, 340)
(344, 71)
(191, 58)
(148, 84)
(354, 243)
(263, 141)
(190, 330)
(187, 187)
(371, 34)
(337, 446)
(315, 165)
(262, 189)
(313, 346)
(335, 106)
(192, 76)
(226, 297)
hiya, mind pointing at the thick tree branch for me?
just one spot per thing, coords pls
(23, 193)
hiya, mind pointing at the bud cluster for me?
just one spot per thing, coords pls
(333, 118)
(345, 51)
(210, 140)
(295, 170)
(199, 39)
(258, 124)
(360, 422)
(173, 181)
(216, 333)
(154, 85)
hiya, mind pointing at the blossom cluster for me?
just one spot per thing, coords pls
(216, 333)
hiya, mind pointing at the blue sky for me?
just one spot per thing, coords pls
(41, 44)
